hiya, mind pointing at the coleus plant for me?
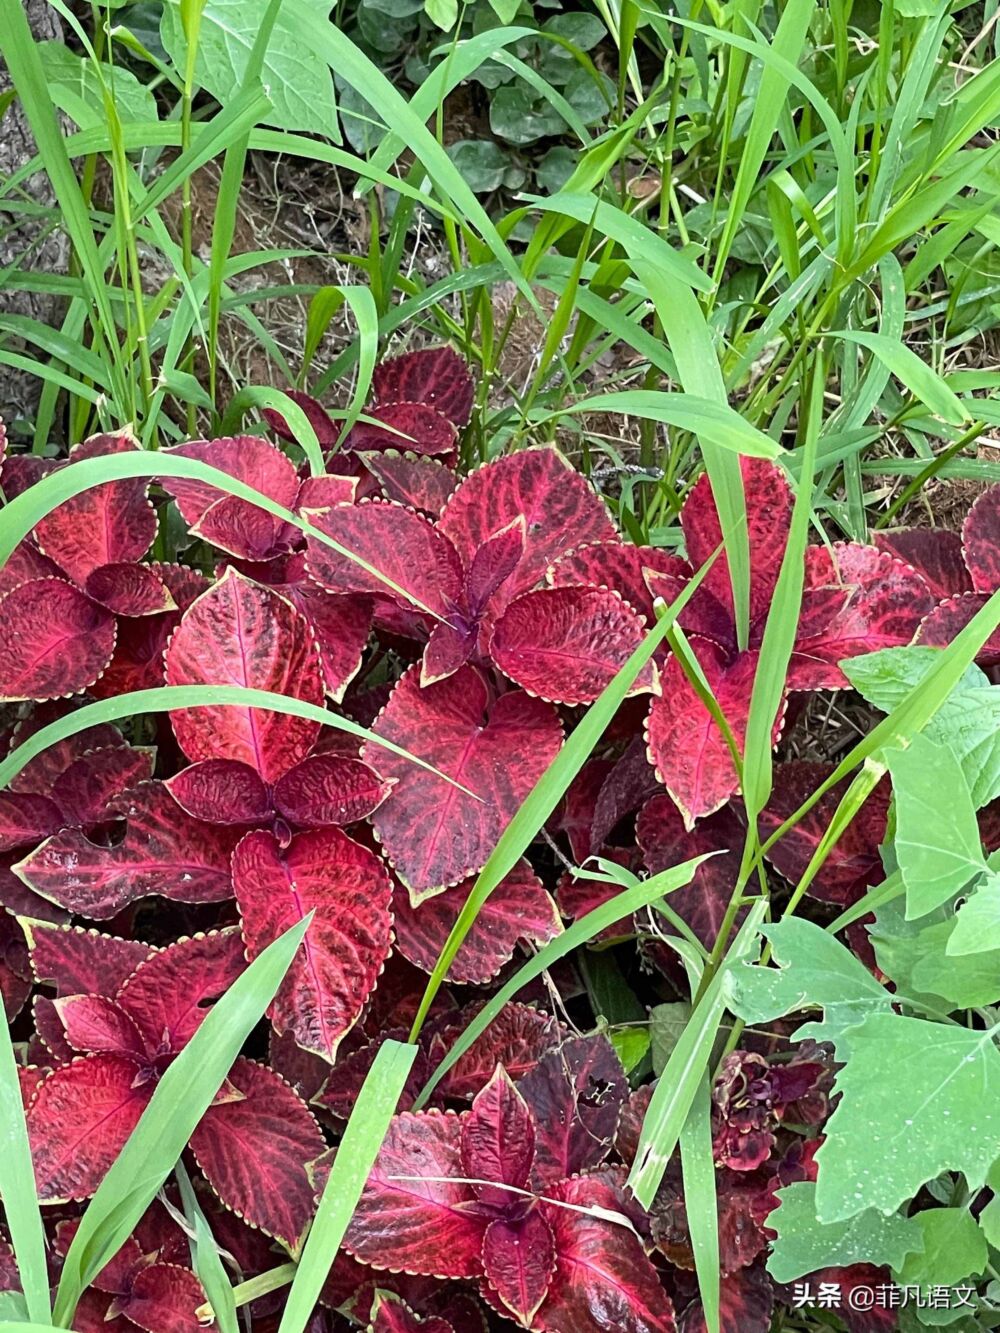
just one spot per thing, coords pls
(512, 601)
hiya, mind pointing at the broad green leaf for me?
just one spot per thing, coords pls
(68, 72)
(297, 79)
(918, 377)
(917, 1099)
(804, 1244)
(356, 1153)
(963, 980)
(885, 678)
(977, 924)
(442, 12)
(953, 1248)
(631, 1046)
(937, 843)
(666, 1024)
(813, 970)
(989, 1218)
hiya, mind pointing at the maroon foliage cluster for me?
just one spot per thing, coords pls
(465, 621)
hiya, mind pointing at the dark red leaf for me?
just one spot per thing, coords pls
(164, 1298)
(744, 1199)
(81, 962)
(666, 842)
(93, 1315)
(391, 1315)
(498, 1142)
(327, 430)
(746, 1305)
(129, 590)
(331, 977)
(981, 541)
(15, 969)
(625, 789)
(79, 1121)
(559, 507)
(221, 791)
(435, 375)
(240, 633)
(603, 1280)
(94, 1024)
(421, 483)
(24, 563)
(517, 1038)
(103, 525)
(689, 751)
(169, 995)
(854, 864)
(329, 789)
(935, 553)
(575, 817)
(567, 644)
(253, 1152)
(414, 428)
(576, 1093)
(416, 1214)
(519, 1258)
(886, 602)
(86, 789)
(231, 524)
(517, 909)
(402, 545)
(54, 641)
(620, 566)
(950, 617)
(26, 818)
(39, 774)
(164, 851)
(433, 833)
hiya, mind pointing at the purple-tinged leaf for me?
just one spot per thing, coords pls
(434, 375)
(619, 566)
(420, 483)
(81, 962)
(498, 1142)
(129, 590)
(415, 428)
(54, 641)
(936, 555)
(981, 541)
(221, 791)
(519, 1259)
(329, 789)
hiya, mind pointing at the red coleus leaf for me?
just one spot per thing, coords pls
(244, 634)
(885, 602)
(327, 430)
(54, 641)
(340, 1090)
(15, 970)
(26, 818)
(617, 565)
(498, 1142)
(435, 375)
(389, 1314)
(94, 1024)
(415, 428)
(79, 1121)
(109, 524)
(39, 774)
(518, 909)
(164, 1298)
(517, 1038)
(86, 790)
(164, 851)
(854, 863)
(603, 1280)
(665, 842)
(746, 1303)
(421, 483)
(744, 1198)
(625, 789)
(981, 541)
(329, 789)
(416, 1214)
(221, 791)
(93, 1315)
(950, 617)
(129, 590)
(347, 943)
(576, 1093)
(575, 817)
(519, 1259)
(169, 995)
(81, 962)
(936, 555)
(433, 833)
(137, 662)
(567, 644)
(400, 544)
(24, 563)
(229, 523)
(253, 1152)
(691, 756)
(559, 508)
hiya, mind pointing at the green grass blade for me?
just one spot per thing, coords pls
(356, 1154)
(206, 1259)
(17, 1187)
(258, 396)
(182, 1096)
(701, 1200)
(580, 932)
(918, 377)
